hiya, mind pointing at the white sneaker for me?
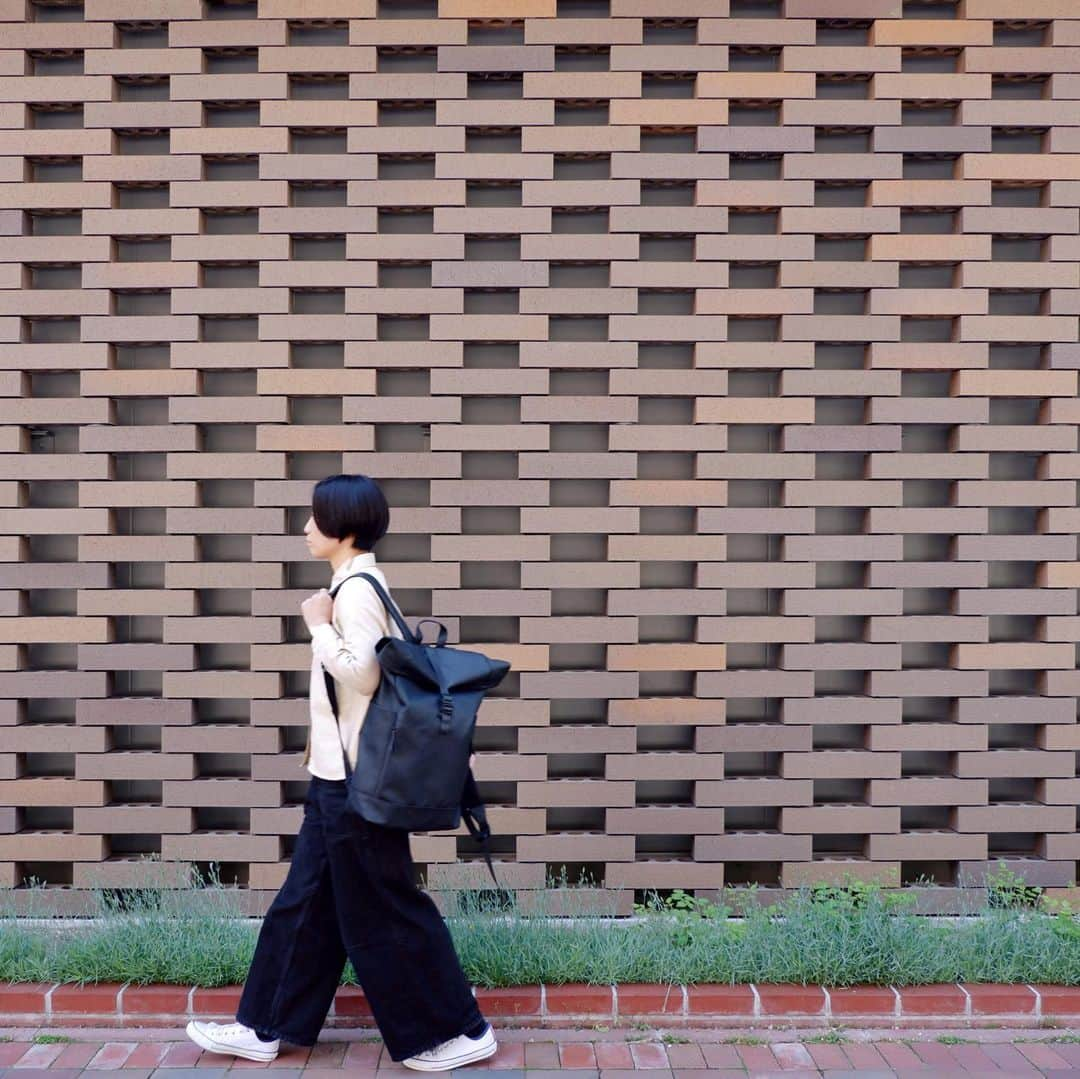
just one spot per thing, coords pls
(454, 1053)
(232, 1038)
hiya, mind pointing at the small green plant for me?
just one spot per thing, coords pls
(952, 1039)
(743, 1039)
(832, 1036)
(668, 1038)
(855, 894)
(1065, 921)
(692, 914)
(1004, 888)
(46, 1039)
(851, 895)
(742, 898)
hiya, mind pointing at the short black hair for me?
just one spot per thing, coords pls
(354, 506)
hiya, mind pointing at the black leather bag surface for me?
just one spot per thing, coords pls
(412, 764)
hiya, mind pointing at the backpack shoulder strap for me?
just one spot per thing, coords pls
(387, 602)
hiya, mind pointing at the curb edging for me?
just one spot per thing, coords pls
(540, 1004)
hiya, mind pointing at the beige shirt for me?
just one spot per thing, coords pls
(346, 647)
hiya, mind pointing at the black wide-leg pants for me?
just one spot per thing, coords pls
(350, 893)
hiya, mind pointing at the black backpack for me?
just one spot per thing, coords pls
(412, 760)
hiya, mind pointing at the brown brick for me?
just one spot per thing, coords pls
(664, 426)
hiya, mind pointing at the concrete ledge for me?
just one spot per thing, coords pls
(124, 1005)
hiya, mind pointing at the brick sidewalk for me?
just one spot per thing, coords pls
(588, 1052)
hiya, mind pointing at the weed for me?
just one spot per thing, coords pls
(670, 1038)
(855, 894)
(689, 915)
(832, 1036)
(1007, 889)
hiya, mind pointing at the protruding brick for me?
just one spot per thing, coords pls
(18, 997)
(996, 999)
(643, 998)
(720, 999)
(942, 999)
(512, 1000)
(216, 1000)
(350, 1000)
(154, 999)
(94, 998)
(862, 1000)
(787, 998)
(578, 999)
(1058, 999)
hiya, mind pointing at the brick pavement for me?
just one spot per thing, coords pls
(597, 1051)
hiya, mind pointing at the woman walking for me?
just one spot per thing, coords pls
(350, 891)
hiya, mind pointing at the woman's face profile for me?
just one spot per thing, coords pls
(322, 546)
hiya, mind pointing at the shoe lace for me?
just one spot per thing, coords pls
(442, 1045)
(234, 1028)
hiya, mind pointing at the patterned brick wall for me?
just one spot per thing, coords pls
(718, 357)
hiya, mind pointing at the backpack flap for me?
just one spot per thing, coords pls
(443, 670)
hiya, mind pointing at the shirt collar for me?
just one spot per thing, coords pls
(355, 564)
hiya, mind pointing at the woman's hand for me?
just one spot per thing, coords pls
(317, 608)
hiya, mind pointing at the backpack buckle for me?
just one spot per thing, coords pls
(446, 711)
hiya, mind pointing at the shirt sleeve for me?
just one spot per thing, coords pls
(346, 645)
